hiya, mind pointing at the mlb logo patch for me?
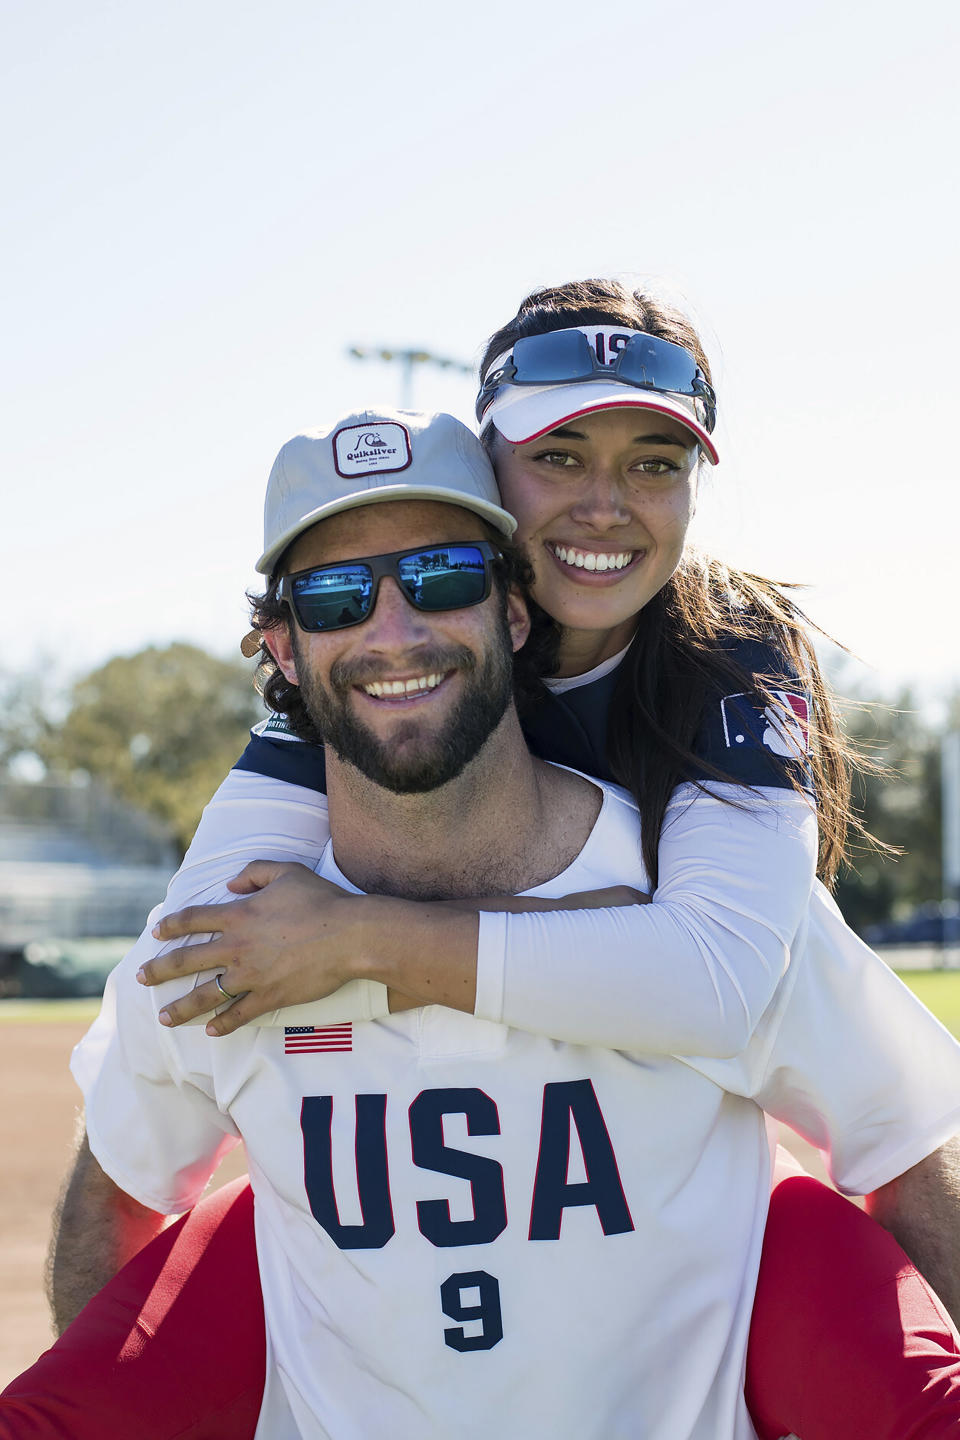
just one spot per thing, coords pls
(371, 449)
(783, 728)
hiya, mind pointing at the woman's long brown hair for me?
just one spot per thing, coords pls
(681, 657)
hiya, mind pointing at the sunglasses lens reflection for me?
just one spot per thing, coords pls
(330, 598)
(661, 366)
(447, 578)
(565, 356)
(441, 577)
(559, 357)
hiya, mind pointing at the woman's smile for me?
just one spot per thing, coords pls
(603, 504)
(592, 561)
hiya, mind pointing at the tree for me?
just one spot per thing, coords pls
(31, 711)
(160, 729)
(901, 807)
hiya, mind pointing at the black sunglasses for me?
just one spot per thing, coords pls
(566, 357)
(434, 577)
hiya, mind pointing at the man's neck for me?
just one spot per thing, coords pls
(507, 823)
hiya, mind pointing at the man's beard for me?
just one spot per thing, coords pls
(433, 759)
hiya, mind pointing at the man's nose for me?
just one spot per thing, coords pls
(394, 623)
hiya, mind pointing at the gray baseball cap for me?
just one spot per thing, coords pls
(373, 456)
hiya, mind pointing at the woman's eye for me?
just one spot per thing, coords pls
(655, 467)
(557, 457)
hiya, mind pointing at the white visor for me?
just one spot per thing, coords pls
(525, 412)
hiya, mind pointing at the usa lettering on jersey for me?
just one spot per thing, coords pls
(568, 1107)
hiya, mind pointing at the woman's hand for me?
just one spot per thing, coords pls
(298, 938)
(294, 939)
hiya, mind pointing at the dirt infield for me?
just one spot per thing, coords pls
(38, 1106)
(36, 1126)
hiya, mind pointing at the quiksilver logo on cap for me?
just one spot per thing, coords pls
(361, 449)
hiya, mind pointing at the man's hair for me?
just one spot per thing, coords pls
(511, 569)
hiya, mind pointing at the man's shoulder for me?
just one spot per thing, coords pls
(613, 798)
(252, 816)
(619, 816)
(611, 853)
(276, 752)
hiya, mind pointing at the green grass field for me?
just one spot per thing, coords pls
(940, 992)
(938, 989)
(47, 1012)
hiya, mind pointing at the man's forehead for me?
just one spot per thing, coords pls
(381, 528)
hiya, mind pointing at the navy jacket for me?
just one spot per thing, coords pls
(737, 735)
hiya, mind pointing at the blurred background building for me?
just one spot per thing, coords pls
(79, 872)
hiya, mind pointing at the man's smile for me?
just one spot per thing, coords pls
(413, 688)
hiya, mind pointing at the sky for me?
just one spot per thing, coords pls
(207, 204)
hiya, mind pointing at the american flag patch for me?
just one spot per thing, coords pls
(308, 1039)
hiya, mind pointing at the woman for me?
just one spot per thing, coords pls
(715, 691)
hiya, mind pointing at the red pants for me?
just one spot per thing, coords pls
(848, 1342)
(173, 1347)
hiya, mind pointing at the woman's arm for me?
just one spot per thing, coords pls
(254, 815)
(287, 944)
(689, 974)
(299, 938)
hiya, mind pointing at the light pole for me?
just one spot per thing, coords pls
(408, 359)
(950, 771)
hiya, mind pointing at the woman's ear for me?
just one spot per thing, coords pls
(278, 642)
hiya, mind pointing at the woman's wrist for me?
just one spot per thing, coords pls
(424, 950)
(379, 917)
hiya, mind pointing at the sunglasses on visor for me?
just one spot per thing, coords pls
(567, 357)
(433, 578)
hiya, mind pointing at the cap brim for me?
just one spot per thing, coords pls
(500, 519)
(525, 412)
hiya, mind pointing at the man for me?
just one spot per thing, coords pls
(462, 1229)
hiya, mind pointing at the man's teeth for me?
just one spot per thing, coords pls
(379, 688)
(592, 559)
